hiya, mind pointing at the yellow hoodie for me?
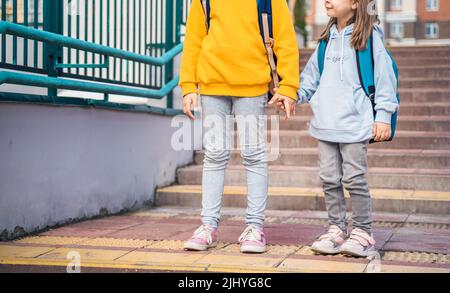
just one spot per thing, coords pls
(231, 59)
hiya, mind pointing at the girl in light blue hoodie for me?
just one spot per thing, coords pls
(343, 121)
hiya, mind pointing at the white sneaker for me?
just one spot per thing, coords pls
(330, 242)
(360, 243)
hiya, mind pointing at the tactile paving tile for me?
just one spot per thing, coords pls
(189, 217)
(272, 220)
(282, 249)
(166, 244)
(417, 257)
(51, 240)
(306, 250)
(242, 219)
(153, 214)
(236, 218)
(438, 226)
(305, 221)
(271, 249)
(230, 247)
(115, 242)
(385, 224)
(176, 245)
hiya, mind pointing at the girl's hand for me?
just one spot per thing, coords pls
(188, 101)
(381, 131)
(284, 103)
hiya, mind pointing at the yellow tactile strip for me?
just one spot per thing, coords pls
(103, 242)
(271, 249)
(54, 246)
(51, 240)
(417, 257)
(116, 242)
(308, 192)
(170, 253)
(154, 214)
(437, 226)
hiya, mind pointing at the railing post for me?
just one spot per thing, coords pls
(53, 22)
(169, 44)
(178, 20)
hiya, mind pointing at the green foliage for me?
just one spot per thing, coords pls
(300, 10)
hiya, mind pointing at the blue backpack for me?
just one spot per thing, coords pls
(266, 31)
(366, 69)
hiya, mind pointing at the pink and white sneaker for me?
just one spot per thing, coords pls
(253, 240)
(204, 237)
(330, 242)
(360, 243)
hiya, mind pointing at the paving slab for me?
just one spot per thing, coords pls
(152, 240)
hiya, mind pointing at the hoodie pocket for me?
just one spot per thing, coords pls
(334, 108)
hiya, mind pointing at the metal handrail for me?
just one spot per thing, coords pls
(60, 40)
(46, 81)
(52, 38)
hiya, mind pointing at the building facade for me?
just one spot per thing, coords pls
(405, 22)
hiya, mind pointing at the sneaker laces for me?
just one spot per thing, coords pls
(361, 237)
(250, 234)
(333, 232)
(203, 232)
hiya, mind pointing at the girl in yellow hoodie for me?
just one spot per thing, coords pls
(225, 62)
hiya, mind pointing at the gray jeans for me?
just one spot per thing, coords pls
(217, 131)
(345, 165)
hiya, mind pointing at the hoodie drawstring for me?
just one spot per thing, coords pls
(341, 63)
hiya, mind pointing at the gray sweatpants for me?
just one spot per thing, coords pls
(345, 165)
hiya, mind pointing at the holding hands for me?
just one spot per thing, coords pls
(284, 103)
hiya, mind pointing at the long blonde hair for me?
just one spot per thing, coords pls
(364, 19)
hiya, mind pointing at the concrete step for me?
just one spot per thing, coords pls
(383, 158)
(417, 71)
(399, 58)
(427, 140)
(406, 109)
(418, 83)
(428, 61)
(424, 82)
(431, 123)
(428, 71)
(403, 53)
(294, 176)
(421, 53)
(424, 95)
(298, 198)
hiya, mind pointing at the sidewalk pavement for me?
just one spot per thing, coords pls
(151, 240)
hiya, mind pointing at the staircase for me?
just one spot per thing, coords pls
(411, 174)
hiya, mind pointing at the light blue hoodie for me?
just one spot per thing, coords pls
(342, 112)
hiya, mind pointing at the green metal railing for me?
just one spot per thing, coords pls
(121, 47)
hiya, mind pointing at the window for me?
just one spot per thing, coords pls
(396, 4)
(397, 30)
(431, 30)
(432, 5)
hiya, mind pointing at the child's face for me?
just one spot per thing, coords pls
(340, 8)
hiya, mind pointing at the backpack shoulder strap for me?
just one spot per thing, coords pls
(207, 10)
(366, 68)
(266, 31)
(265, 10)
(321, 55)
